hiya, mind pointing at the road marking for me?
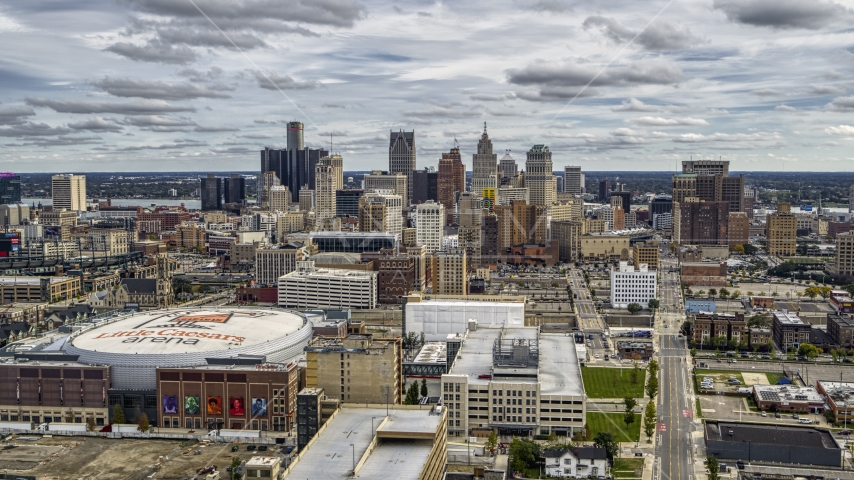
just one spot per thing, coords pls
(687, 413)
(662, 427)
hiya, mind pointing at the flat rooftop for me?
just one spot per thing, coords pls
(432, 352)
(331, 452)
(559, 370)
(788, 393)
(770, 435)
(842, 319)
(788, 318)
(31, 281)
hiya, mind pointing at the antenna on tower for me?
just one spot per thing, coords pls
(456, 144)
(484, 128)
(330, 143)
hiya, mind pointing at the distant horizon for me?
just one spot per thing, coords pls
(257, 172)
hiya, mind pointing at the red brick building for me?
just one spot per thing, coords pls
(257, 397)
(707, 274)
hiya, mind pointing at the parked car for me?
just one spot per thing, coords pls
(776, 414)
(845, 432)
(795, 416)
(764, 414)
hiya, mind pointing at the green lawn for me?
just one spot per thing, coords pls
(627, 467)
(613, 422)
(604, 382)
(774, 377)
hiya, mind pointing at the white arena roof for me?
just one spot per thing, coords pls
(135, 345)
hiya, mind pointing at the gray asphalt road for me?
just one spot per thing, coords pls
(589, 320)
(674, 411)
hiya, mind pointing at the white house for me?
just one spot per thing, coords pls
(579, 462)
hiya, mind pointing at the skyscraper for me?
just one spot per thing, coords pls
(507, 167)
(401, 157)
(425, 185)
(539, 177)
(211, 193)
(263, 184)
(604, 190)
(235, 189)
(295, 138)
(485, 165)
(452, 179)
(573, 181)
(68, 192)
(10, 188)
(429, 223)
(337, 163)
(326, 185)
(469, 233)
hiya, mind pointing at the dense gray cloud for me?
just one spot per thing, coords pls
(15, 115)
(193, 75)
(180, 143)
(134, 107)
(824, 89)
(154, 51)
(813, 14)
(725, 137)
(127, 87)
(207, 37)
(214, 129)
(65, 141)
(32, 129)
(842, 104)
(274, 81)
(658, 36)
(161, 123)
(340, 13)
(767, 92)
(97, 124)
(569, 74)
(635, 105)
(669, 122)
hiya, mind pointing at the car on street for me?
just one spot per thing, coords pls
(795, 416)
(764, 414)
(596, 356)
(777, 415)
(845, 432)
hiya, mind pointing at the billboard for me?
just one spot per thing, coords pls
(259, 407)
(191, 405)
(235, 406)
(170, 404)
(806, 208)
(9, 243)
(214, 405)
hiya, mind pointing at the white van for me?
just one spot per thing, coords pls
(804, 420)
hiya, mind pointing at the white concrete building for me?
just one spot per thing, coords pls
(584, 462)
(279, 198)
(632, 286)
(516, 380)
(429, 225)
(68, 192)
(392, 221)
(310, 287)
(440, 318)
(508, 194)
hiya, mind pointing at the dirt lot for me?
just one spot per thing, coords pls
(79, 458)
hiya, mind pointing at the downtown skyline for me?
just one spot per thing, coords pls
(149, 85)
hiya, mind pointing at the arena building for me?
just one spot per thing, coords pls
(136, 344)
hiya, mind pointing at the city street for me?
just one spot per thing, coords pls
(675, 412)
(588, 319)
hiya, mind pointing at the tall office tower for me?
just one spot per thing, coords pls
(451, 181)
(337, 163)
(272, 160)
(10, 188)
(211, 193)
(278, 198)
(396, 183)
(625, 200)
(782, 228)
(539, 177)
(606, 214)
(709, 181)
(401, 158)
(425, 185)
(604, 190)
(706, 167)
(449, 272)
(381, 212)
(851, 198)
(68, 192)
(295, 138)
(235, 189)
(485, 165)
(619, 213)
(697, 222)
(738, 229)
(326, 180)
(489, 237)
(469, 232)
(507, 167)
(429, 225)
(845, 253)
(568, 235)
(521, 224)
(347, 203)
(573, 181)
(263, 184)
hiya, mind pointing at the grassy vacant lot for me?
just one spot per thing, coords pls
(613, 422)
(774, 377)
(627, 468)
(604, 382)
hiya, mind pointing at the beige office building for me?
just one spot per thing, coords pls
(429, 225)
(845, 253)
(449, 272)
(568, 235)
(378, 181)
(381, 212)
(279, 198)
(68, 192)
(539, 176)
(272, 263)
(647, 253)
(469, 232)
(605, 248)
(782, 229)
(326, 184)
(356, 369)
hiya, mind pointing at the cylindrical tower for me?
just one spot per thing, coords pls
(295, 140)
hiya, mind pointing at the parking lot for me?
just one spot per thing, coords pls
(810, 372)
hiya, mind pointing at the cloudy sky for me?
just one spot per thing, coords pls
(202, 85)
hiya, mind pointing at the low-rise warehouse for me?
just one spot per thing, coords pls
(772, 443)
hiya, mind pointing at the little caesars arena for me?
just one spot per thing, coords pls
(134, 346)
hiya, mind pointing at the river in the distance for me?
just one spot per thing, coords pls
(131, 202)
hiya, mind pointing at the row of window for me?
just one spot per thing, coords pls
(515, 393)
(46, 419)
(528, 410)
